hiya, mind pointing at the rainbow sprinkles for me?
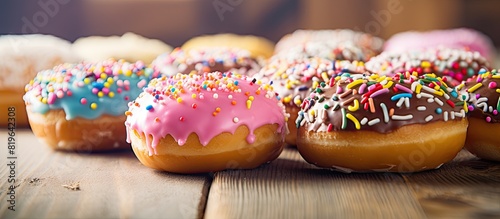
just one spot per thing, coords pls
(88, 90)
(482, 92)
(379, 103)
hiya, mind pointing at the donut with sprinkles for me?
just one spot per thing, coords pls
(208, 59)
(203, 123)
(404, 123)
(454, 65)
(369, 44)
(294, 79)
(325, 49)
(80, 106)
(482, 94)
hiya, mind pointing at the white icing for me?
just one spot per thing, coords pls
(23, 56)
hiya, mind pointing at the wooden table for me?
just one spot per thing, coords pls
(51, 184)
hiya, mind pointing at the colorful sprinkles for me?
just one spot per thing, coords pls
(482, 96)
(209, 107)
(369, 44)
(88, 90)
(294, 80)
(454, 65)
(379, 103)
(205, 60)
(331, 50)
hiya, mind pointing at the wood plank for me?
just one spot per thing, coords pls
(291, 188)
(465, 188)
(112, 185)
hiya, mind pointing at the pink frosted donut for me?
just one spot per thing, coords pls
(204, 123)
(452, 38)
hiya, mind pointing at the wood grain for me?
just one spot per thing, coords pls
(465, 188)
(291, 188)
(112, 185)
(116, 185)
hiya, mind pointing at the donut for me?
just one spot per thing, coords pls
(130, 47)
(293, 81)
(458, 38)
(80, 107)
(324, 49)
(404, 123)
(482, 95)
(22, 56)
(259, 47)
(202, 60)
(454, 65)
(204, 123)
(369, 44)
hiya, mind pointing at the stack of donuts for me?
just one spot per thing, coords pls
(347, 100)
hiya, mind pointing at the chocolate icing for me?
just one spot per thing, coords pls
(246, 67)
(210, 59)
(343, 103)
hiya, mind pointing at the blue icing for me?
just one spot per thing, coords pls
(75, 75)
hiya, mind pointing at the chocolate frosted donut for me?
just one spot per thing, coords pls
(379, 123)
(208, 59)
(482, 92)
(454, 65)
(294, 79)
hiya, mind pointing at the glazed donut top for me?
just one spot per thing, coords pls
(207, 59)
(482, 92)
(455, 65)
(293, 80)
(130, 47)
(327, 50)
(365, 41)
(88, 90)
(22, 56)
(256, 45)
(379, 103)
(207, 105)
(459, 38)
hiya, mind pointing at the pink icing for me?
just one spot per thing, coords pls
(191, 108)
(451, 38)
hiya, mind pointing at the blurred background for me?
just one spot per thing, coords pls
(175, 21)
